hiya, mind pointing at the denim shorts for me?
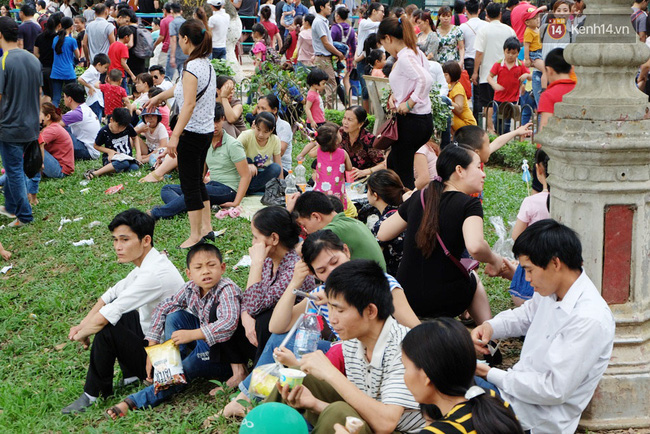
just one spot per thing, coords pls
(534, 55)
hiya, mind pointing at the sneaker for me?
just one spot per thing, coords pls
(79, 406)
(4, 212)
(16, 224)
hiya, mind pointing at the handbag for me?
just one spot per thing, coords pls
(387, 135)
(175, 110)
(32, 159)
(466, 265)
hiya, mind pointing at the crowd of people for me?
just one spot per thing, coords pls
(389, 290)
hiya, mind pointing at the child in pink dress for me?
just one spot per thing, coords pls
(331, 162)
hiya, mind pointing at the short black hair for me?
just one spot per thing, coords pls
(472, 7)
(453, 69)
(76, 92)
(343, 12)
(361, 282)
(555, 61)
(158, 68)
(219, 112)
(167, 7)
(176, 8)
(318, 241)
(493, 10)
(114, 75)
(127, 12)
(336, 203)
(99, 8)
(315, 76)
(547, 239)
(470, 135)
(320, 4)
(124, 31)
(313, 201)
(155, 91)
(101, 59)
(310, 18)
(9, 29)
(512, 43)
(139, 222)
(42, 4)
(28, 10)
(203, 247)
(122, 116)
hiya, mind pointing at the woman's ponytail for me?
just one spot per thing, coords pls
(66, 23)
(199, 37)
(398, 28)
(490, 415)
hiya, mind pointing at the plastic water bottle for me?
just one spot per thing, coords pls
(307, 335)
(290, 188)
(301, 180)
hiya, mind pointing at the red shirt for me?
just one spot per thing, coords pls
(113, 96)
(116, 52)
(509, 79)
(59, 144)
(271, 29)
(292, 46)
(517, 19)
(164, 31)
(554, 93)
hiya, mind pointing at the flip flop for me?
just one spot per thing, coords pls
(89, 174)
(117, 411)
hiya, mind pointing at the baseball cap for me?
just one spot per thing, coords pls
(215, 3)
(530, 13)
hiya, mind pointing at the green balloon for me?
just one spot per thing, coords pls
(273, 418)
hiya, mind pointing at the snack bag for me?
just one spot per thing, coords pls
(167, 364)
(264, 379)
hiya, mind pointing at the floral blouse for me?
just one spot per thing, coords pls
(362, 154)
(393, 249)
(448, 46)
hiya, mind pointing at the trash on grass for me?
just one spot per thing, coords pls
(5, 269)
(93, 224)
(84, 190)
(503, 245)
(245, 261)
(114, 189)
(47, 243)
(89, 242)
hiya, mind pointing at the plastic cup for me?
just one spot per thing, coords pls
(291, 377)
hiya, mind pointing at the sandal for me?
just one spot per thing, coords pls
(117, 411)
(89, 174)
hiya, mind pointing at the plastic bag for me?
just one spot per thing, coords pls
(264, 379)
(504, 244)
(167, 364)
(274, 193)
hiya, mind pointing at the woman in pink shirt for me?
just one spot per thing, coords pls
(410, 83)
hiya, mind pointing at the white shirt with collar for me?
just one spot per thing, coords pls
(470, 28)
(383, 377)
(142, 289)
(566, 351)
(489, 41)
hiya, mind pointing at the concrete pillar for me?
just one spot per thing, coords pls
(599, 145)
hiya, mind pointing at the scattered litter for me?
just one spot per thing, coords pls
(503, 245)
(60, 346)
(228, 252)
(7, 268)
(245, 261)
(114, 189)
(2, 227)
(93, 224)
(124, 202)
(77, 219)
(63, 221)
(89, 242)
(33, 316)
(138, 174)
(84, 182)
(47, 243)
(84, 190)
(219, 233)
(61, 191)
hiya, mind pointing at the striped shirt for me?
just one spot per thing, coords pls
(383, 377)
(226, 294)
(324, 310)
(458, 420)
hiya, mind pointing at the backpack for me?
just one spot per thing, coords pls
(144, 44)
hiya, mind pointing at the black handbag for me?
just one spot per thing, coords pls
(32, 159)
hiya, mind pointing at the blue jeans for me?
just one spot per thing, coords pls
(31, 184)
(219, 53)
(361, 69)
(15, 191)
(196, 361)
(264, 175)
(52, 167)
(57, 87)
(537, 85)
(527, 103)
(98, 110)
(267, 355)
(125, 166)
(80, 149)
(174, 200)
(502, 126)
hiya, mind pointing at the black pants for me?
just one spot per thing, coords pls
(413, 131)
(192, 150)
(47, 84)
(123, 341)
(237, 349)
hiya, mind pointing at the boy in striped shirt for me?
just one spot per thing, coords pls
(360, 307)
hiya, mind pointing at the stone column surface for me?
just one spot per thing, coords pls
(599, 147)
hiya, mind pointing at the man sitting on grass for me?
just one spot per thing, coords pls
(122, 313)
(202, 318)
(360, 307)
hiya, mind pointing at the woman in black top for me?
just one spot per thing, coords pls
(434, 285)
(44, 51)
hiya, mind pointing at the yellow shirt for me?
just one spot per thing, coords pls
(260, 156)
(532, 36)
(466, 117)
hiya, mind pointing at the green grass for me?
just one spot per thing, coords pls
(58, 283)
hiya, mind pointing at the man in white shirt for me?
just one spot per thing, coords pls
(470, 28)
(569, 333)
(372, 389)
(324, 48)
(489, 49)
(122, 314)
(218, 23)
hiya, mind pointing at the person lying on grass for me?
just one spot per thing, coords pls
(121, 315)
(202, 319)
(116, 141)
